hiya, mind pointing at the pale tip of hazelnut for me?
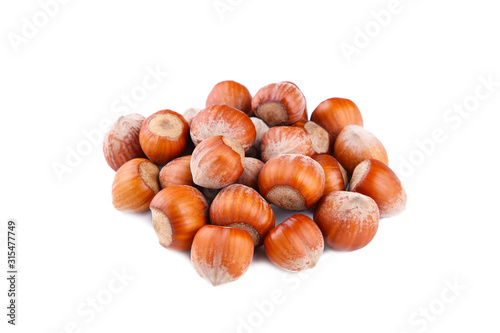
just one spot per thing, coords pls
(167, 125)
(319, 137)
(287, 197)
(162, 227)
(359, 173)
(236, 147)
(248, 228)
(148, 171)
(273, 113)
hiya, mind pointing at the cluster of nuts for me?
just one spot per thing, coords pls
(223, 166)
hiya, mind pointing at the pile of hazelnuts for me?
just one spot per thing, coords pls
(210, 176)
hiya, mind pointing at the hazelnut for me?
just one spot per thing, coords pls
(223, 120)
(295, 244)
(335, 175)
(178, 212)
(279, 104)
(163, 136)
(242, 207)
(322, 142)
(135, 185)
(232, 94)
(260, 128)
(290, 181)
(121, 143)
(334, 114)
(355, 144)
(217, 162)
(285, 140)
(189, 114)
(376, 180)
(250, 175)
(221, 254)
(177, 172)
(348, 220)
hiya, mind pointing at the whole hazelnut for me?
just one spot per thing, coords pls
(334, 114)
(355, 144)
(121, 143)
(348, 220)
(135, 185)
(279, 104)
(217, 162)
(163, 136)
(232, 94)
(226, 121)
(290, 181)
(285, 140)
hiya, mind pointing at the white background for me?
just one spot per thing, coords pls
(65, 79)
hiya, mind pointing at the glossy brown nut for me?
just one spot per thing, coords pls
(279, 104)
(217, 162)
(285, 140)
(335, 175)
(334, 114)
(177, 172)
(226, 121)
(221, 254)
(290, 181)
(242, 207)
(163, 136)
(135, 185)
(322, 142)
(295, 244)
(355, 144)
(348, 220)
(376, 180)
(178, 212)
(121, 143)
(232, 94)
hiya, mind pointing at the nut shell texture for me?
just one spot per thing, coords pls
(226, 121)
(121, 143)
(279, 104)
(290, 181)
(135, 185)
(217, 162)
(177, 172)
(355, 144)
(221, 254)
(285, 140)
(178, 212)
(376, 180)
(242, 207)
(295, 244)
(250, 175)
(348, 220)
(163, 136)
(334, 174)
(322, 142)
(334, 114)
(232, 94)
